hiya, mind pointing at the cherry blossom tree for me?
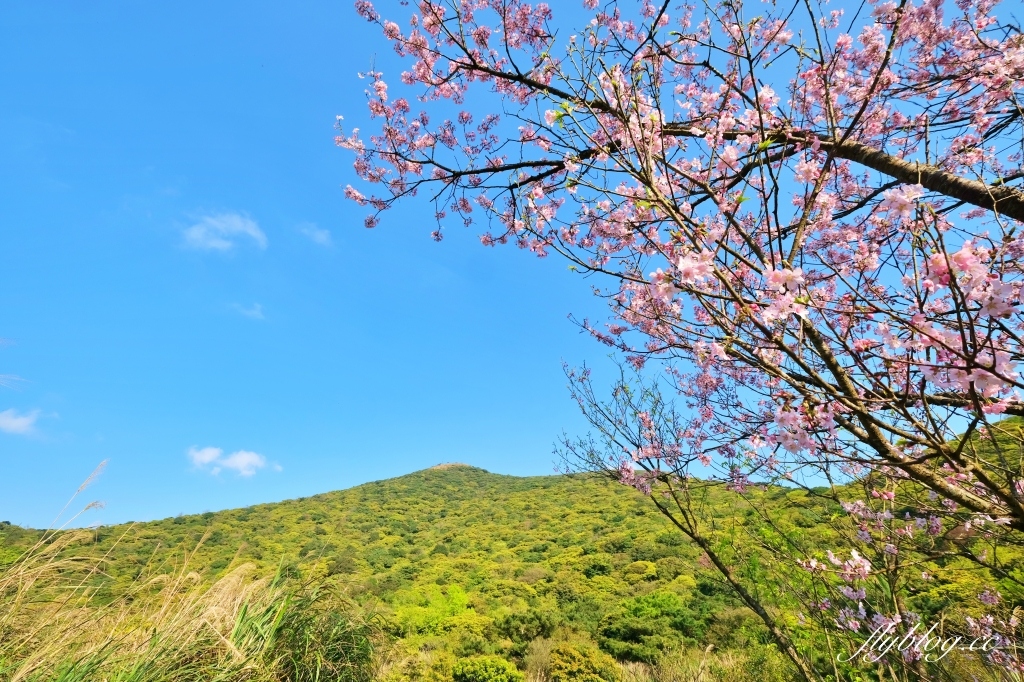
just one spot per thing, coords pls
(808, 216)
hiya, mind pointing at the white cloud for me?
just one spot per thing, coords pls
(12, 421)
(203, 456)
(317, 235)
(255, 311)
(242, 462)
(246, 463)
(221, 232)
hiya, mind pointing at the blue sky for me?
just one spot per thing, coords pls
(186, 293)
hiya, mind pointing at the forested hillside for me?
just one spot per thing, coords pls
(549, 574)
(461, 562)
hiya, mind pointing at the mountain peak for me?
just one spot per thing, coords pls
(450, 465)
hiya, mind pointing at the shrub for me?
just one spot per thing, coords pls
(598, 566)
(468, 622)
(670, 567)
(646, 627)
(638, 571)
(486, 669)
(571, 663)
(524, 627)
(423, 666)
(737, 628)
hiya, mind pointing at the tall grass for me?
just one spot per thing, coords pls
(760, 663)
(172, 625)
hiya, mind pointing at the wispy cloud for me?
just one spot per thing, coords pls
(255, 311)
(242, 462)
(223, 231)
(21, 423)
(8, 380)
(317, 235)
(202, 457)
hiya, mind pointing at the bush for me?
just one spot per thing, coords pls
(598, 566)
(486, 669)
(645, 627)
(426, 665)
(639, 571)
(575, 664)
(737, 628)
(523, 628)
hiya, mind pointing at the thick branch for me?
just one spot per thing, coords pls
(999, 197)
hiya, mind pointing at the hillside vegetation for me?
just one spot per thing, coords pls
(447, 574)
(461, 563)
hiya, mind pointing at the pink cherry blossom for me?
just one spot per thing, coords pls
(808, 224)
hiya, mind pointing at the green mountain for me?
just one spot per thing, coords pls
(449, 525)
(463, 560)
(552, 573)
